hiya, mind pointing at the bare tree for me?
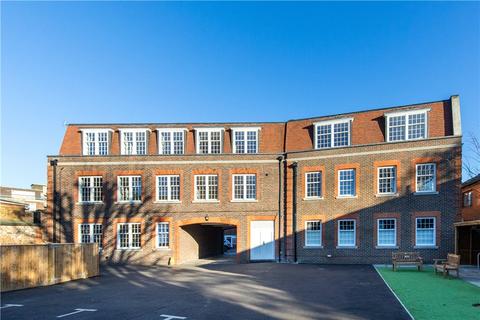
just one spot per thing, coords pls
(471, 160)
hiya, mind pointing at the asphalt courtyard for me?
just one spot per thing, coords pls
(217, 291)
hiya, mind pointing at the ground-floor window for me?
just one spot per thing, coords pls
(163, 235)
(425, 231)
(386, 232)
(313, 233)
(90, 233)
(129, 236)
(346, 233)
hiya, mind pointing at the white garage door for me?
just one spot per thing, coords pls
(262, 241)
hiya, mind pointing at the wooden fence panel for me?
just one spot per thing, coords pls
(27, 266)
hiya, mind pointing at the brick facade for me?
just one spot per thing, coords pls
(193, 225)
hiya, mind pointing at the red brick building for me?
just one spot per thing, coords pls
(347, 188)
(468, 228)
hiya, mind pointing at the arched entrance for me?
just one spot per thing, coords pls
(204, 237)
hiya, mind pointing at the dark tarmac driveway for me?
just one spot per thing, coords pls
(218, 291)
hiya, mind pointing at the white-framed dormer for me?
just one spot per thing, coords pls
(333, 133)
(406, 125)
(245, 139)
(96, 141)
(171, 140)
(134, 141)
(209, 140)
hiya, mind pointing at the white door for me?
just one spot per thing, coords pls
(262, 241)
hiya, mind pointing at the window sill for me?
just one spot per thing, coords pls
(163, 249)
(425, 247)
(312, 247)
(89, 203)
(429, 193)
(346, 247)
(312, 198)
(239, 200)
(380, 195)
(128, 202)
(386, 247)
(346, 197)
(167, 202)
(206, 201)
(128, 249)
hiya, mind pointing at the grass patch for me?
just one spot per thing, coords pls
(431, 296)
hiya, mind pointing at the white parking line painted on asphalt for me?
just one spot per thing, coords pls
(169, 317)
(9, 305)
(75, 312)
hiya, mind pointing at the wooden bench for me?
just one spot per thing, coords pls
(406, 259)
(446, 265)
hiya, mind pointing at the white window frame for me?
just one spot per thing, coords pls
(307, 244)
(332, 123)
(354, 234)
(172, 131)
(130, 236)
(245, 131)
(405, 114)
(434, 233)
(209, 132)
(434, 177)
(169, 188)
(244, 184)
(395, 191)
(306, 185)
(130, 189)
(96, 132)
(394, 245)
(134, 132)
(207, 188)
(91, 233)
(157, 235)
(92, 189)
(354, 184)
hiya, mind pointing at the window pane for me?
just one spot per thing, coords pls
(347, 182)
(141, 142)
(416, 126)
(103, 143)
(346, 234)
(201, 187)
(85, 189)
(239, 142)
(324, 136)
(203, 142)
(215, 141)
(425, 231)
(175, 187)
(90, 143)
(178, 142)
(251, 141)
(162, 187)
(85, 233)
(238, 187)
(313, 233)
(426, 177)
(136, 188)
(163, 234)
(386, 232)
(213, 187)
(97, 189)
(396, 131)
(124, 188)
(341, 134)
(314, 184)
(165, 143)
(251, 181)
(387, 180)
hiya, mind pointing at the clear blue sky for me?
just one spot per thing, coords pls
(184, 62)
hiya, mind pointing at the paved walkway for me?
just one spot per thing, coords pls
(254, 291)
(470, 274)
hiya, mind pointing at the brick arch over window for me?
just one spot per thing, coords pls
(199, 220)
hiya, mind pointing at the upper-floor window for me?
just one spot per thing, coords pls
(346, 183)
(408, 125)
(426, 177)
(313, 185)
(90, 189)
(206, 188)
(168, 188)
(95, 142)
(171, 141)
(133, 141)
(90, 233)
(334, 133)
(209, 140)
(387, 180)
(129, 188)
(467, 199)
(244, 187)
(245, 140)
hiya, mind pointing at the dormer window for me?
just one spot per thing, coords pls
(333, 133)
(133, 141)
(95, 142)
(245, 140)
(171, 140)
(407, 125)
(209, 140)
